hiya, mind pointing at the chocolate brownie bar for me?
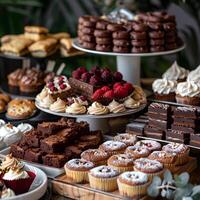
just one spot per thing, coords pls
(33, 138)
(153, 132)
(135, 128)
(195, 139)
(72, 150)
(33, 155)
(183, 129)
(185, 112)
(53, 144)
(18, 150)
(163, 109)
(177, 136)
(54, 160)
(94, 136)
(160, 124)
(186, 122)
(67, 133)
(160, 116)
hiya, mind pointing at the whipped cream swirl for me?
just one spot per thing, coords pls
(116, 107)
(97, 109)
(24, 127)
(42, 94)
(194, 76)
(15, 174)
(76, 108)
(164, 86)
(58, 106)
(6, 193)
(188, 89)
(131, 103)
(175, 72)
(47, 101)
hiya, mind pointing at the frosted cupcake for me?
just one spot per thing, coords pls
(176, 73)
(151, 145)
(7, 193)
(77, 170)
(137, 151)
(103, 178)
(164, 89)
(126, 138)
(188, 93)
(133, 184)
(194, 76)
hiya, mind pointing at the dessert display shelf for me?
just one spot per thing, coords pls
(96, 122)
(128, 63)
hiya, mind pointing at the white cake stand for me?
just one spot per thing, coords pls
(128, 63)
(96, 122)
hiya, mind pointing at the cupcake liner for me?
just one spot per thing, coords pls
(103, 184)
(132, 190)
(22, 185)
(77, 176)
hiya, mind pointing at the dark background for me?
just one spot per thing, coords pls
(62, 15)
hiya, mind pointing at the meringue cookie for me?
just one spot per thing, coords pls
(116, 107)
(42, 94)
(97, 109)
(76, 108)
(58, 106)
(6, 193)
(131, 103)
(188, 89)
(175, 72)
(164, 86)
(24, 127)
(47, 101)
(194, 76)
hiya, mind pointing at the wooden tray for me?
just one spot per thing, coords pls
(63, 186)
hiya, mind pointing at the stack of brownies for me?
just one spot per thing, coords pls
(185, 125)
(159, 116)
(53, 143)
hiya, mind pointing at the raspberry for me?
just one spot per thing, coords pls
(53, 89)
(97, 95)
(76, 74)
(118, 76)
(82, 70)
(120, 92)
(50, 84)
(62, 86)
(128, 87)
(85, 77)
(116, 85)
(95, 70)
(108, 96)
(83, 98)
(106, 76)
(105, 88)
(95, 80)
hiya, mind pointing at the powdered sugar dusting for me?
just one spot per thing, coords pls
(175, 147)
(79, 163)
(122, 159)
(150, 144)
(126, 138)
(134, 177)
(113, 145)
(138, 149)
(186, 109)
(104, 172)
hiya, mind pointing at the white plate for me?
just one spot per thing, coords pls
(51, 172)
(76, 45)
(38, 187)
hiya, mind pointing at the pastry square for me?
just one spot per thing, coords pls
(35, 33)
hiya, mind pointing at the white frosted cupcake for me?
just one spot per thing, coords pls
(194, 76)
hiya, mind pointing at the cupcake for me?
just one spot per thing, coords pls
(103, 178)
(164, 89)
(113, 147)
(138, 151)
(194, 76)
(126, 138)
(121, 162)
(18, 179)
(133, 184)
(181, 150)
(151, 145)
(168, 159)
(150, 167)
(77, 170)
(176, 73)
(188, 93)
(97, 156)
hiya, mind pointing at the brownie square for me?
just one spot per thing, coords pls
(135, 128)
(153, 132)
(33, 155)
(154, 115)
(186, 122)
(54, 160)
(160, 124)
(53, 144)
(72, 150)
(160, 108)
(17, 151)
(67, 133)
(177, 136)
(33, 138)
(94, 136)
(185, 112)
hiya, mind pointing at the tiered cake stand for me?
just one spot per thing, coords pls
(128, 63)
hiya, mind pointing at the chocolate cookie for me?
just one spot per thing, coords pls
(80, 27)
(138, 35)
(87, 30)
(120, 35)
(102, 25)
(157, 42)
(103, 41)
(155, 26)
(156, 34)
(170, 34)
(88, 38)
(142, 17)
(106, 48)
(171, 46)
(169, 26)
(83, 18)
(102, 33)
(123, 43)
(115, 27)
(80, 33)
(80, 41)
(154, 18)
(139, 43)
(139, 26)
(140, 49)
(89, 45)
(157, 48)
(120, 49)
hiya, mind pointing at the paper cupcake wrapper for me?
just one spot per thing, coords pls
(22, 185)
